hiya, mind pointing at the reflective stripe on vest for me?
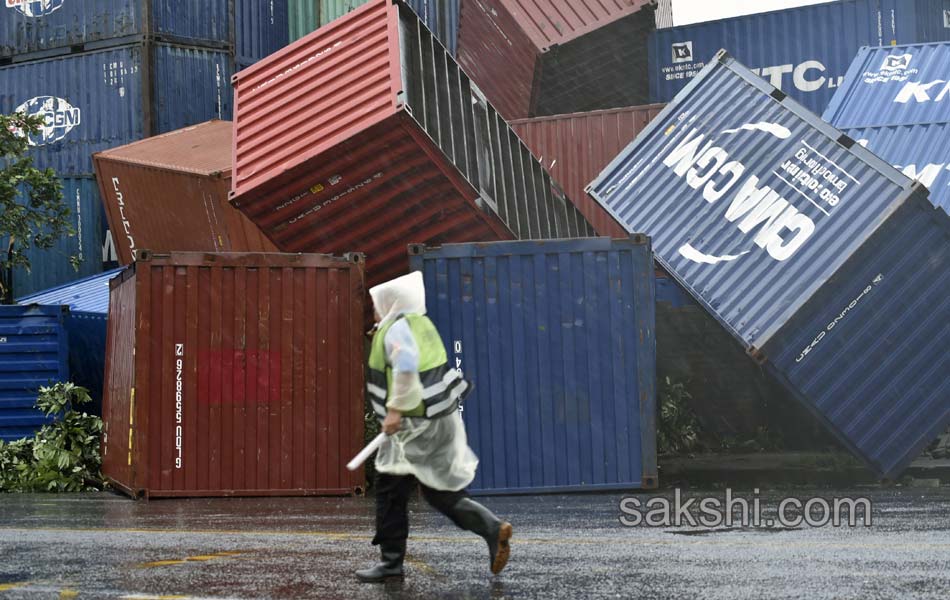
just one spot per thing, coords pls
(441, 386)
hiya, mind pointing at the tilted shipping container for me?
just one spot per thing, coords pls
(575, 147)
(828, 265)
(33, 353)
(803, 51)
(558, 339)
(553, 56)
(170, 192)
(234, 375)
(366, 136)
(85, 323)
(97, 100)
(34, 26)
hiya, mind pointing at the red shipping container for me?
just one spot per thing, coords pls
(170, 193)
(575, 148)
(366, 136)
(234, 375)
(534, 57)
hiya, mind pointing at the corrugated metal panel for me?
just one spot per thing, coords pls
(558, 338)
(604, 69)
(809, 65)
(921, 152)
(722, 182)
(28, 26)
(33, 346)
(894, 85)
(402, 134)
(87, 295)
(576, 147)
(269, 350)
(170, 192)
(440, 16)
(664, 14)
(95, 101)
(262, 28)
(304, 17)
(551, 22)
(52, 267)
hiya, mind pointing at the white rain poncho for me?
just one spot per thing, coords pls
(435, 451)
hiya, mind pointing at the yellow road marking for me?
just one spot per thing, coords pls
(353, 537)
(67, 593)
(161, 563)
(4, 587)
(421, 565)
(196, 558)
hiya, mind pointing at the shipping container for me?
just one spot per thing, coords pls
(542, 57)
(262, 28)
(304, 16)
(440, 16)
(575, 147)
(894, 85)
(52, 267)
(63, 26)
(366, 136)
(558, 340)
(33, 353)
(234, 375)
(170, 192)
(97, 100)
(85, 323)
(829, 266)
(809, 63)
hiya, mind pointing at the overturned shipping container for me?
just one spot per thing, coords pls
(804, 51)
(575, 147)
(366, 135)
(234, 374)
(546, 57)
(558, 339)
(170, 192)
(828, 265)
(33, 354)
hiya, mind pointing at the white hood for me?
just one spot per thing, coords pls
(404, 295)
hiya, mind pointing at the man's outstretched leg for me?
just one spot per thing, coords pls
(392, 527)
(472, 516)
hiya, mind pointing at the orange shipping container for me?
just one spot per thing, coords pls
(170, 193)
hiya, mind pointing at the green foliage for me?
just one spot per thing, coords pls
(63, 456)
(36, 220)
(677, 427)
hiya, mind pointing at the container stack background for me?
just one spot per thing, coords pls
(485, 143)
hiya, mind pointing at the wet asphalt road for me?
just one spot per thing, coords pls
(106, 546)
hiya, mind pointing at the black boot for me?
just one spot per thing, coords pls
(476, 518)
(392, 554)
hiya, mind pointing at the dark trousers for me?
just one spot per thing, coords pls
(392, 500)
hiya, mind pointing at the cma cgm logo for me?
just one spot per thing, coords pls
(59, 118)
(683, 52)
(35, 8)
(896, 62)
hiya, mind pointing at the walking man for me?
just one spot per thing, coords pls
(416, 393)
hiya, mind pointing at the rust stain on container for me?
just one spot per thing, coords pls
(366, 136)
(246, 372)
(576, 147)
(170, 193)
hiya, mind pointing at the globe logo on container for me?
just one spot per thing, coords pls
(59, 118)
(35, 8)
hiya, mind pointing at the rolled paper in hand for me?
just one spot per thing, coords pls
(365, 453)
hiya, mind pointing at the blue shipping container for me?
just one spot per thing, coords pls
(803, 51)
(921, 152)
(262, 29)
(96, 100)
(88, 302)
(29, 26)
(33, 353)
(52, 267)
(830, 266)
(558, 339)
(894, 85)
